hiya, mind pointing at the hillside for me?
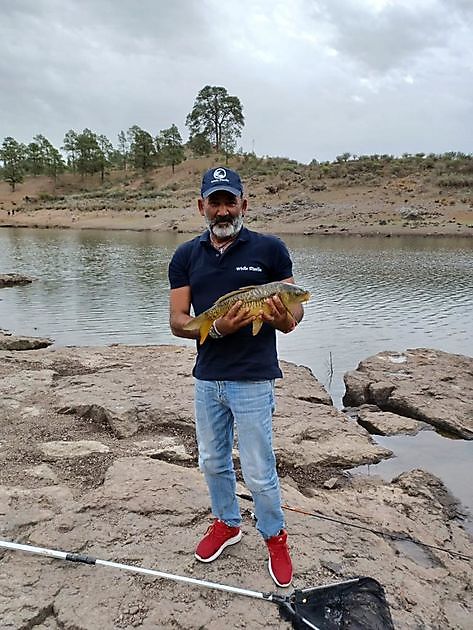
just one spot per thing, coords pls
(368, 195)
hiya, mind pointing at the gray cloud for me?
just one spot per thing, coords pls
(316, 78)
(400, 33)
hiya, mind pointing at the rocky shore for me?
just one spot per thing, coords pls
(97, 454)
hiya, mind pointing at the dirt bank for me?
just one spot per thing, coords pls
(286, 202)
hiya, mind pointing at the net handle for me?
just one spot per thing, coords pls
(86, 559)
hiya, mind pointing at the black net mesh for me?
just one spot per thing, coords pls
(358, 604)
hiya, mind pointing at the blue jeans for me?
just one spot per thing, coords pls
(247, 405)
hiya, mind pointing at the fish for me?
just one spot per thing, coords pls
(253, 298)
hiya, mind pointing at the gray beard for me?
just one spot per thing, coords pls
(226, 230)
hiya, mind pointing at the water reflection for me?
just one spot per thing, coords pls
(369, 294)
(418, 452)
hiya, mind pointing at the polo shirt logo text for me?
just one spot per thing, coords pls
(245, 268)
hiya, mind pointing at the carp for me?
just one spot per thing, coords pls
(253, 298)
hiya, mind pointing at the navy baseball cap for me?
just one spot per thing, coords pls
(221, 178)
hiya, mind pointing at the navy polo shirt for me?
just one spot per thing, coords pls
(251, 259)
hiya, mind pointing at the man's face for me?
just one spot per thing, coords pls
(223, 213)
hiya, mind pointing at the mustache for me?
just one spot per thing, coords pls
(226, 219)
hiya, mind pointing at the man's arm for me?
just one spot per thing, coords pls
(179, 315)
(179, 312)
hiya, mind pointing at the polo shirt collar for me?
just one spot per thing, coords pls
(243, 235)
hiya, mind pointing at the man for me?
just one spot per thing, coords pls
(234, 371)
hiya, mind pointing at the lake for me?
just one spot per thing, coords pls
(368, 294)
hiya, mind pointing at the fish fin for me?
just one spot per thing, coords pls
(204, 330)
(196, 322)
(257, 323)
(201, 323)
(234, 293)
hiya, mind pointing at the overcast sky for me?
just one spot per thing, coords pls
(316, 78)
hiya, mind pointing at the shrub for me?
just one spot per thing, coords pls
(455, 180)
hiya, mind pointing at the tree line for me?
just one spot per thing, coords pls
(214, 124)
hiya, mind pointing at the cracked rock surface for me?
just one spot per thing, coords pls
(122, 483)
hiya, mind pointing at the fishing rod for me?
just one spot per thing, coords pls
(304, 608)
(379, 532)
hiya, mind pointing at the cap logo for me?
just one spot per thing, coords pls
(220, 173)
(220, 178)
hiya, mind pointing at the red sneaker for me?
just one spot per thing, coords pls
(279, 564)
(217, 537)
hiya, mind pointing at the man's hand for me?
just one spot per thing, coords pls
(234, 319)
(277, 315)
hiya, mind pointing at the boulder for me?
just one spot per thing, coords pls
(13, 342)
(423, 384)
(12, 279)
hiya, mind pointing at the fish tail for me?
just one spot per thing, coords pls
(201, 323)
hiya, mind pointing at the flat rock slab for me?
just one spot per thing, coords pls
(22, 506)
(318, 435)
(78, 448)
(427, 385)
(12, 279)
(133, 391)
(43, 472)
(166, 447)
(378, 422)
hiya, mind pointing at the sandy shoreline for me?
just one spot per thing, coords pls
(187, 220)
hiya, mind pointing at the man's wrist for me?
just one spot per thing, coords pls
(214, 332)
(292, 324)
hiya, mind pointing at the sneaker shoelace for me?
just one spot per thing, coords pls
(278, 548)
(217, 529)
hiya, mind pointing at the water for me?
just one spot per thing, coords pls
(449, 459)
(369, 294)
